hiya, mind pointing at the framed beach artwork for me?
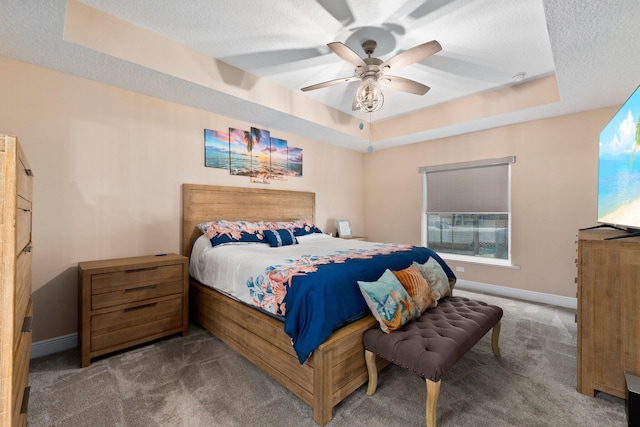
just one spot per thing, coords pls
(260, 155)
(240, 147)
(252, 153)
(294, 161)
(279, 159)
(216, 149)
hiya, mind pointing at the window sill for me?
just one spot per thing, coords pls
(479, 261)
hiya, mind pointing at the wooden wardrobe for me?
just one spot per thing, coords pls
(16, 190)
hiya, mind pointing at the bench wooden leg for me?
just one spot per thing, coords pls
(495, 337)
(433, 390)
(372, 370)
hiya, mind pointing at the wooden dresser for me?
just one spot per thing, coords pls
(16, 191)
(129, 301)
(608, 311)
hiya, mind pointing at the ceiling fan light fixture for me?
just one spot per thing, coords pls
(369, 96)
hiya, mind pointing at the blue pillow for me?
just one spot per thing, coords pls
(244, 237)
(307, 228)
(300, 227)
(280, 237)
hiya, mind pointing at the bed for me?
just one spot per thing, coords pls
(335, 368)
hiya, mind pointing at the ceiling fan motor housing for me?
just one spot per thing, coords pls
(369, 46)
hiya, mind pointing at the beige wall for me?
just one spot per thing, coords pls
(553, 194)
(108, 166)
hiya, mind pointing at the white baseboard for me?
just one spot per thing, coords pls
(54, 345)
(521, 294)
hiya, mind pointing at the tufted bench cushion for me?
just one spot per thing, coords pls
(433, 343)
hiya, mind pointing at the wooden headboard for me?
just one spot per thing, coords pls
(202, 203)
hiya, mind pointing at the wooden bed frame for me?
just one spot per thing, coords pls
(336, 368)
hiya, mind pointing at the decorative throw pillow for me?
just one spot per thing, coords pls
(306, 229)
(417, 287)
(302, 227)
(389, 302)
(452, 283)
(222, 231)
(437, 278)
(280, 237)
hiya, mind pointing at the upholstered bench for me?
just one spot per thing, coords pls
(433, 343)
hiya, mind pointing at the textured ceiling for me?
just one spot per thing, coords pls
(588, 45)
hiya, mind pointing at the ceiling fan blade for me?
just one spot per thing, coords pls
(405, 85)
(329, 83)
(415, 54)
(345, 52)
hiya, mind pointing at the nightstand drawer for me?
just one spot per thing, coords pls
(135, 322)
(135, 293)
(135, 277)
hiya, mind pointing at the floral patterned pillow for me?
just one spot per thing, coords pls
(300, 227)
(222, 231)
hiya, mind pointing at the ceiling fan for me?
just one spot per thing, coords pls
(372, 72)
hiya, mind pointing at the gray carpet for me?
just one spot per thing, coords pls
(199, 381)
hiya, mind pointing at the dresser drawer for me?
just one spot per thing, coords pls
(135, 293)
(135, 277)
(21, 373)
(23, 225)
(135, 322)
(22, 291)
(24, 177)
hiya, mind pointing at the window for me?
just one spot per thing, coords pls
(467, 210)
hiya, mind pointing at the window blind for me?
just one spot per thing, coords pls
(479, 186)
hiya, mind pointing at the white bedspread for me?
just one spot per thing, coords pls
(227, 267)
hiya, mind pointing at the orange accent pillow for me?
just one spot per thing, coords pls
(417, 287)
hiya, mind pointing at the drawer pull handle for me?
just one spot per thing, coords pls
(133, 270)
(27, 248)
(26, 325)
(24, 408)
(25, 210)
(141, 288)
(140, 306)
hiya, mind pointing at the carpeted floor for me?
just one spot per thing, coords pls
(199, 381)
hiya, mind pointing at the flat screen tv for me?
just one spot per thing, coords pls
(619, 169)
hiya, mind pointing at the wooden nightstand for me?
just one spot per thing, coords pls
(129, 301)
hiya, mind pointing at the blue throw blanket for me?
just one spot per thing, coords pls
(321, 302)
